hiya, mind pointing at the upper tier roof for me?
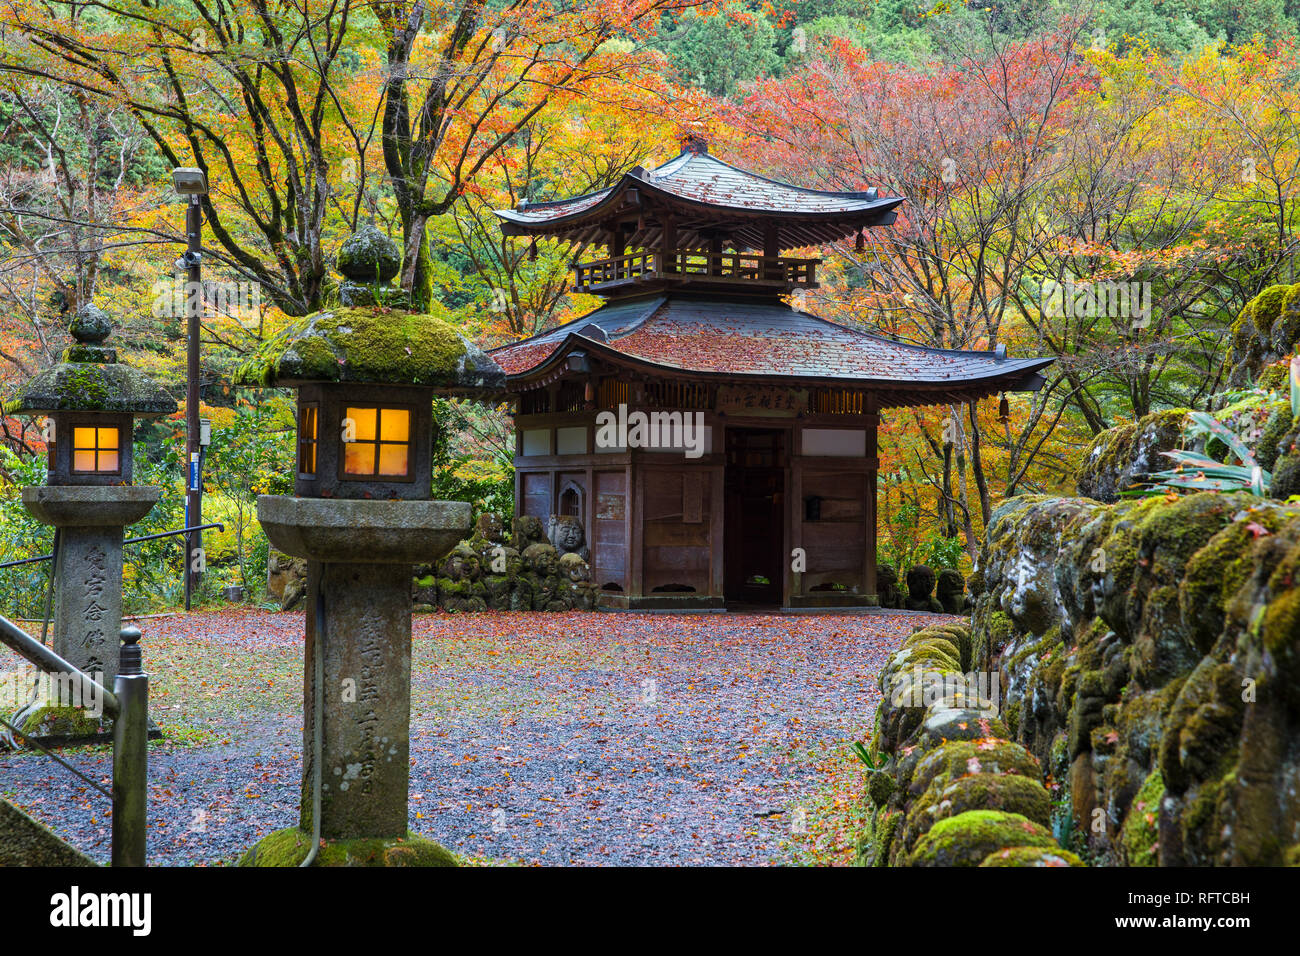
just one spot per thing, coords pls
(760, 340)
(706, 195)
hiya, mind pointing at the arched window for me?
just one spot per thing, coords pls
(571, 500)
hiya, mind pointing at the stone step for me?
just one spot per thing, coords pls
(27, 842)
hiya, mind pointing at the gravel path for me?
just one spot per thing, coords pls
(556, 739)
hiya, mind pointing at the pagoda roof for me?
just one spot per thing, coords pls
(760, 340)
(708, 196)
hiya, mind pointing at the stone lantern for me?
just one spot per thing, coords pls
(362, 517)
(91, 401)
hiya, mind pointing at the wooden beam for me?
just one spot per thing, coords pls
(869, 565)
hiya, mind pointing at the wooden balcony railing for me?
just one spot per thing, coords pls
(697, 266)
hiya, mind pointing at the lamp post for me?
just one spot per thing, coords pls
(192, 183)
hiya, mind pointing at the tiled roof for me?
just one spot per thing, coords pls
(761, 338)
(615, 319)
(699, 177)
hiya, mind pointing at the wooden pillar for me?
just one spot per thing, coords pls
(519, 450)
(717, 526)
(873, 467)
(796, 512)
(715, 256)
(668, 243)
(771, 250)
(616, 250)
(633, 510)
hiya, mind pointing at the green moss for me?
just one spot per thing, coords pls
(1059, 755)
(1266, 308)
(372, 345)
(1045, 645)
(448, 588)
(1010, 793)
(73, 722)
(968, 838)
(1141, 829)
(1012, 715)
(1286, 330)
(1273, 378)
(369, 256)
(928, 654)
(1199, 822)
(1217, 572)
(957, 758)
(1280, 626)
(77, 386)
(1052, 670)
(997, 633)
(877, 841)
(1268, 448)
(1120, 549)
(290, 847)
(880, 787)
(1032, 856)
(1242, 331)
(1110, 449)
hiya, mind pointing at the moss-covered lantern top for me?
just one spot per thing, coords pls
(366, 376)
(92, 401)
(373, 345)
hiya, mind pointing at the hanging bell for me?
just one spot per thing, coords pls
(1004, 410)
(861, 244)
(532, 251)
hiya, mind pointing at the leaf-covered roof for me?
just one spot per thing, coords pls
(706, 192)
(757, 340)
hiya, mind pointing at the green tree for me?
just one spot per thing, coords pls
(719, 52)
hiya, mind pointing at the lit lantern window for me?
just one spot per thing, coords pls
(378, 442)
(308, 421)
(96, 450)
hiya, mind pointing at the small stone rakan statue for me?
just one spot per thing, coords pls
(568, 536)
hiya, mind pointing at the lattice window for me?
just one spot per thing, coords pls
(839, 401)
(679, 395)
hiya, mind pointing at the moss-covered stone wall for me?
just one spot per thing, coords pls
(950, 787)
(1148, 658)
(1142, 661)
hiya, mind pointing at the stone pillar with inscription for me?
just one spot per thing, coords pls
(88, 576)
(360, 557)
(362, 517)
(90, 402)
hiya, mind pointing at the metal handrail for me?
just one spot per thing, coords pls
(32, 650)
(148, 537)
(128, 706)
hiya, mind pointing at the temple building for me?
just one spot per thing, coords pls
(717, 443)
